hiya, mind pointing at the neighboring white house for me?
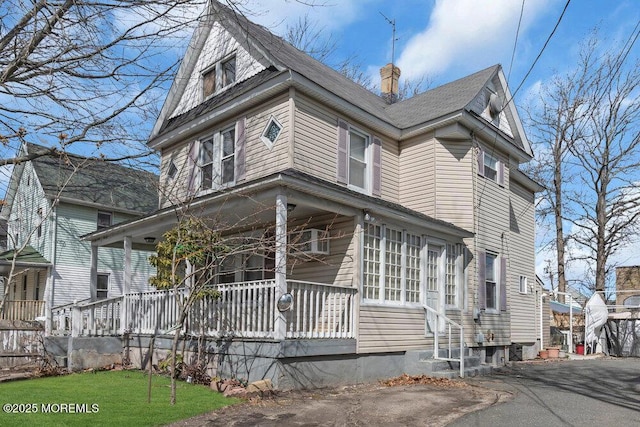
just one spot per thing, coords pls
(54, 199)
(416, 211)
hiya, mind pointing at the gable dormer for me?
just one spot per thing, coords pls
(221, 63)
(490, 105)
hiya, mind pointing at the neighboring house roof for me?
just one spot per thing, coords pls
(279, 55)
(28, 255)
(559, 307)
(96, 182)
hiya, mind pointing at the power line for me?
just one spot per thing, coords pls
(515, 42)
(541, 51)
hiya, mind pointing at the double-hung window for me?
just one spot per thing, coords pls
(217, 159)
(102, 286)
(490, 166)
(359, 160)
(491, 281)
(358, 149)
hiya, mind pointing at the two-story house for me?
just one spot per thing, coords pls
(416, 213)
(51, 201)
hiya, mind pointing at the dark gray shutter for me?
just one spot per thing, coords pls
(343, 153)
(241, 140)
(480, 161)
(376, 185)
(500, 172)
(482, 279)
(192, 167)
(503, 284)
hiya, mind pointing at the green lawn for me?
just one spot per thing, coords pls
(107, 398)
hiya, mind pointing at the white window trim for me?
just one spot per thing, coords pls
(216, 161)
(368, 162)
(263, 136)
(496, 280)
(216, 68)
(425, 242)
(108, 285)
(524, 290)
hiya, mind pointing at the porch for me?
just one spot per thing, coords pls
(243, 310)
(22, 310)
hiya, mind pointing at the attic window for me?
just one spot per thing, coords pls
(104, 220)
(229, 71)
(173, 170)
(271, 132)
(218, 76)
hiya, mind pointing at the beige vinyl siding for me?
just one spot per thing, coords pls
(335, 268)
(316, 142)
(174, 190)
(417, 182)
(388, 328)
(260, 161)
(315, 150)
(454, 186)
(390, 171)
(522, 263)
(492, 229)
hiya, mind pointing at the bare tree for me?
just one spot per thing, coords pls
(87, 71)
(555, 126)
(588, 126)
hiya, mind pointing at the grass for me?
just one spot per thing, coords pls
(106, 398)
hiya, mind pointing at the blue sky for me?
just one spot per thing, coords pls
(448, 39)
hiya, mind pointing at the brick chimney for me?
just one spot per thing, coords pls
(389, 75)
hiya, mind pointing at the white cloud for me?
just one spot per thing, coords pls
(469, 34)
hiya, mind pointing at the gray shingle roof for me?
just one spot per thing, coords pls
(421, 108)
(106, 184)
(440, 101)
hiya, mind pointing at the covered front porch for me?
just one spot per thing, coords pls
(243, 310)
(24, 274)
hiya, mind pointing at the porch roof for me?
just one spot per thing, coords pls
(303, 188)
(28, 257)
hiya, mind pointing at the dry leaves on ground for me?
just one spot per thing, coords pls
(405, 379)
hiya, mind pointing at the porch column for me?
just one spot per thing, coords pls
(93, 280)
(124, 315)
(280, 324)
(48, 302)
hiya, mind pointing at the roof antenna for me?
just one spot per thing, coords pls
(393, 37)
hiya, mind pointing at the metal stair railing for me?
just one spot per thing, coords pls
(436, 337)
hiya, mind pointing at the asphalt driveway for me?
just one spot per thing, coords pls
(596, 392)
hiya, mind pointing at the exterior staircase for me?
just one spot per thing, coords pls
(421, 362)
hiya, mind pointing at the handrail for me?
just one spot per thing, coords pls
(436, 340)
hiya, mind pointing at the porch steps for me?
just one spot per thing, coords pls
(420, 362)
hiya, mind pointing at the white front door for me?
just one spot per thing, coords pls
(433, 293)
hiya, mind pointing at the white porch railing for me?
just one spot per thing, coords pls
(245, 310)
(98, 318)
(22, 310)
(449, 324)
